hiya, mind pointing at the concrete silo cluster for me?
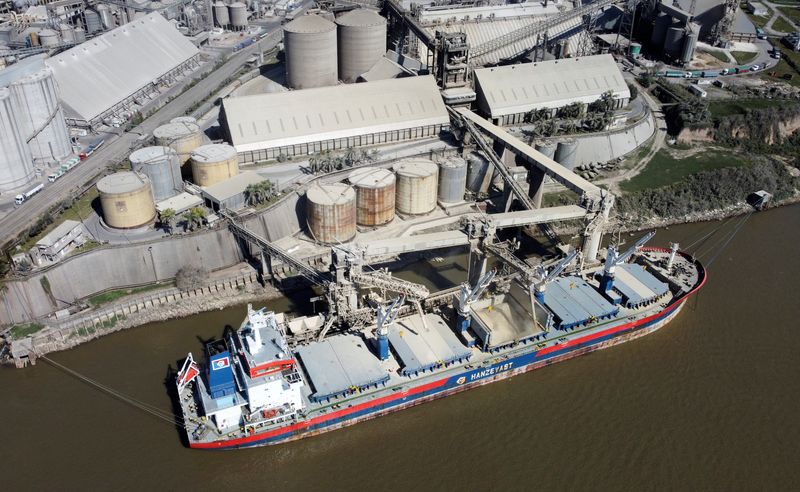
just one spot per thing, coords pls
(320, 52)
(676, 36)
(373, 196)
(32, 128)
(230, 15)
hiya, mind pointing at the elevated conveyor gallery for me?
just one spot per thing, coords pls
(339, 366)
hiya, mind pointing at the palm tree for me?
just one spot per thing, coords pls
(195, 218)
(258, 193)
(166, 217)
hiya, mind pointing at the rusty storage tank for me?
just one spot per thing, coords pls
(547, 147)
(214, 163)
(127, 200)
(361, 35)
(375, 195)
(452, 180)
(479, 173)
(162, 167)
(221, 16)
(417, 186)
(567, 153)
(331, 210)
(237, 12)
(182, 136)
(310, 45)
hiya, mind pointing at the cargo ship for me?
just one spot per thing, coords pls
(277, 379)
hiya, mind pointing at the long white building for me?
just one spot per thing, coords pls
(302, 122)
(507, 93)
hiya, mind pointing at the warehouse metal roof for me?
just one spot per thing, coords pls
(231, 187)
(339, 365)
(550, 84)
(425, 346)
(58, 233)
(266, 121)
(101, 72)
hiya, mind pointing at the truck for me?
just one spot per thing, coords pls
(90, 150)
(674, 73)
(697, 91)
(20, 199)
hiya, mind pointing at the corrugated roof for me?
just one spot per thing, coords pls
(96, 75)
(232, 186)
(56, 234)
(520, 88)
(266, 121)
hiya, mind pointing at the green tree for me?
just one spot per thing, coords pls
(194, 218)
(258, 193)
(167, 218)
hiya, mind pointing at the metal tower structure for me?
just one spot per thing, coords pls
(722, 30)
(627, 21)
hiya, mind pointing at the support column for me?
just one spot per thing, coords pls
(536, 183)
(477, 263)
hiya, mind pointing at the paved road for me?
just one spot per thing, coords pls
(117, 149)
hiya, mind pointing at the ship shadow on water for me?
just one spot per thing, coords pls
(172, 392)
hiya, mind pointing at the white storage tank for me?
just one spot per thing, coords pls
(162, 166)
(221, 14)
(417, 186)
(567, 153)
(41, 117)
(127, 200)
(106, 18)
(67, 33)
(361, 37)
(375, 195)
(214, 163)
(48, 37)
(547, 147)
(237, 12)
(331, 210)
(479, 173)
(183, 136)
(452, 180)
(80, 35)
(310, 45)
(184, 119)
(16, 163)
(93, 23)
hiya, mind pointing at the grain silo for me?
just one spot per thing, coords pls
(48, 38)
(361, 35)
(183, 136)
(375, 195)
(452, 180)
(93, 23)
(80, 34)
(41, 117)
(221, 16)
(214, 163)
(417, 186)
(331, 210)
(689, 43)
(673, 44)
(127, 200)
(237, 12)
(16, 163)
(660, 27)
(310, 45)
(67, 33)
(567, 153)
(547, 147)
(479, 173)
(162, 167)
(106, 17)
(184, 119)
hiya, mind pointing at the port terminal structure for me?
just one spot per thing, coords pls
(349, 271)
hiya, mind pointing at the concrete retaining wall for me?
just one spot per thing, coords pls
(615, 143)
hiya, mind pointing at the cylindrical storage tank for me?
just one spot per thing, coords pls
(16, 163)
(67, 33)
(126, 200)
(331, 210)
(80, 35)
(48, 37)
(184, 137)
(567, 152)
(452, 180)
(479, 173)
(221, 14)
(361, 37)
(93, 23)
(636, 50)
(237, 12)
(689, 45)
(375, 195)
(310, 45)
(106, 19)
(39, 110)
(662, 22)
(184, 119)
(34, 37)
(674, 41)
(214, 163)
(417, 186)
(547, 147)
(162, 167)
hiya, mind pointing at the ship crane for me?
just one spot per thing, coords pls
(613, 258)
(546, 277)
(385, 316)
(467, 295)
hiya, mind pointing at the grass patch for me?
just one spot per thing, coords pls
(776, 74)
(560, 198)
(791, 12)
(758, 20)
(665, 169)
(743, 57)
(783, 25)
(719, 55)
(79, 211)
(731, 107)
(113, 295)
(22, 331)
